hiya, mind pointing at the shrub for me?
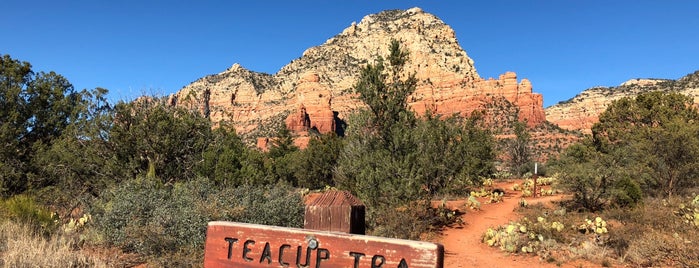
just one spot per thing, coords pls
(627, 192)
(689, 213)
(407, 222)
(276, 205)
(23, 209)
(593, 179)
(411, 221)
(156, 220)
(655, 234)
(654, 248)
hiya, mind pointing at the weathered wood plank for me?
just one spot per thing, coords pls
(230, 244)
(336, 211)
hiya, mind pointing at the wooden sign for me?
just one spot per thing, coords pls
(230, 244)
(335, 211)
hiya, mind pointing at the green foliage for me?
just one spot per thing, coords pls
(598, 226)
(78, 165)
(505, 237)
(648, 145)
(411, 221)
(455, 154)
(434, 157)
(473, 203)
(547, 234)
(585, 172)
(314, 166)
(626, 192)
(523, 203)
(391, 159)
(145, 216)
(37, 108)
(282, 144)
(655, 137)
(385, 91)
(147, 133)
(23, 209)
(225, 158)
(493, 196)
(282, 157)
(519, 151)
(277, 205)
(480, 193)
(496, 197)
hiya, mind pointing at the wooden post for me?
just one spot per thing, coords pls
(337, 211)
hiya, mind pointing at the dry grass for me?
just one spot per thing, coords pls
(21, 247)
(650, 235)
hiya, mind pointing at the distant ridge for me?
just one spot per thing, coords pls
(583, 110)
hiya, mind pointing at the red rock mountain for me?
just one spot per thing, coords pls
(314, 91)
(583, 110)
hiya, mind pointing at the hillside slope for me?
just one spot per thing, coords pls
(583, 110)
(315, 90)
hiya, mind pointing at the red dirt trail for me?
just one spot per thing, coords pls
(463, 246)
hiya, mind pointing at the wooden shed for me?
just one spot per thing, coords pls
(337, 211)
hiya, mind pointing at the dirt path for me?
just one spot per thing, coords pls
(463, 246)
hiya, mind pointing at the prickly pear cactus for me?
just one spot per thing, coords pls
(598, 226)
(473, 203)
(689, 213)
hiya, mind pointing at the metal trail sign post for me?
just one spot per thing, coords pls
(230, 244)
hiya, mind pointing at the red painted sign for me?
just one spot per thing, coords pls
(230, 244)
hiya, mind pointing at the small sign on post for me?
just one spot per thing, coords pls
(231, 244)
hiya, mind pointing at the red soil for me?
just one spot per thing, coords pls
(463, 244)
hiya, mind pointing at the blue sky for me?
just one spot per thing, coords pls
(157, 47)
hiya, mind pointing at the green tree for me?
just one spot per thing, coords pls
(647, 145)
(452, 153)
(77, 165)
(282, 143)
(385, 91)
(373, 162)
(223, 158)
(518, 149)
(593, 179)
(657, 131)
(281, 157)
(391, 160)
(314, 166)
(36, 109)
(148, 136)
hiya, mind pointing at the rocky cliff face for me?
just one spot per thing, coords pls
(583, 110)
(314, 91)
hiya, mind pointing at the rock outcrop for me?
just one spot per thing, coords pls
(582, 111)
(313, 92)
